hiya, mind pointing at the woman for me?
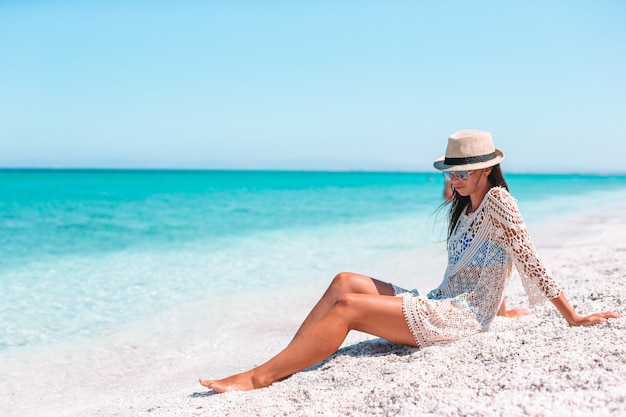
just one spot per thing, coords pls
(486, 238)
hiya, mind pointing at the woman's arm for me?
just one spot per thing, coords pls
(513, 235)
(535, 276)
(574, 319)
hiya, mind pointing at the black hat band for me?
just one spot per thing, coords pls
(470, 159)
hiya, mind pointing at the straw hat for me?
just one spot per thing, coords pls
(467, 150)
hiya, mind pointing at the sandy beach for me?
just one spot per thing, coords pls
(532, 366)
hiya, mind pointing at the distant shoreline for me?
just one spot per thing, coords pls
(590, 173)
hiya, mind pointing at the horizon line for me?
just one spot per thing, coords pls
(312, 170)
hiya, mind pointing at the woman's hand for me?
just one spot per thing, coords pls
(574, 319)
(511, 313)
(594, 318)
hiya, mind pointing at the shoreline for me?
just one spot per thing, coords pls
(528, 366)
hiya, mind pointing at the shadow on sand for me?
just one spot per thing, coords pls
(373, 347)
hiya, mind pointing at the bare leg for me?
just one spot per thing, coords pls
(378, 315)
(513, 313)
(343, 283)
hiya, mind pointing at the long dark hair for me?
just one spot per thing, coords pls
(458, 203)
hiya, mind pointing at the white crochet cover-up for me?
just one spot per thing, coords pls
(481, 252)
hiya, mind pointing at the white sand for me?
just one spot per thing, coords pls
(536, 365)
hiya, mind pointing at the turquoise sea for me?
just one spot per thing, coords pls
(86, 251)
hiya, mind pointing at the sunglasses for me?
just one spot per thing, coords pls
(460, 175)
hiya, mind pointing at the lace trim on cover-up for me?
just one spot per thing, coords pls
(481, 253)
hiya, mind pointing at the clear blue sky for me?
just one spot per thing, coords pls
(310, 84)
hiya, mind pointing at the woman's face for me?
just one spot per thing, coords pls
(467, 186)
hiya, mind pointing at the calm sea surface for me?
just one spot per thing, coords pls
(84, 251)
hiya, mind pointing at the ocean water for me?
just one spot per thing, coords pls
(86, 251)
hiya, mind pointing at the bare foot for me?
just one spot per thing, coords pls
(239, 382)
(515, 312)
